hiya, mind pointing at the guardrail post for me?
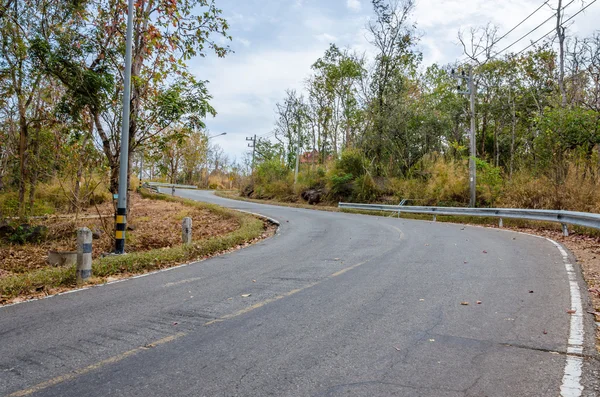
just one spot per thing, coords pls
(186, 230)
(84, 255)
(434, 218)
(565, 229)
(500, 224)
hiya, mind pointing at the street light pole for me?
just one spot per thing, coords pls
(121, 221)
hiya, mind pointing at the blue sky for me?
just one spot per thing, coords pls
(276, 41)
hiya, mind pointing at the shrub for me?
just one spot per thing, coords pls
(489, 182)
(351, 162)
(365, 189)
(271, 171)
(340, 185)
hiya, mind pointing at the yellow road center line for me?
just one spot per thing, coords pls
(284, 295)
(117, 358)
(90, 368)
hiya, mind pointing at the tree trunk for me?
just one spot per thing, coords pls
(23, 161)
(33, 177)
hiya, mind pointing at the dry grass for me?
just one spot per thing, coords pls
(231, 230)
(156, 224)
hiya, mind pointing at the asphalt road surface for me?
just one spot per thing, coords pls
(333, 305)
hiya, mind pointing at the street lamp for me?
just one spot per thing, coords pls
(214, 136)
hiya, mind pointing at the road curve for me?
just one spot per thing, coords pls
(334, 305)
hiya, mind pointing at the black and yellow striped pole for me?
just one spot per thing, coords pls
(121, 221)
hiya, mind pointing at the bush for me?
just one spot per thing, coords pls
(365, 189)
(340, 186)
(489, 182)
(352, 162)
(271, 171)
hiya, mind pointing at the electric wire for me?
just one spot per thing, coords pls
(532, 30)
(514, 27)
(553, 30)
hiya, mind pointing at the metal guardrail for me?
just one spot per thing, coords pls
(563, 217)
(163, 184)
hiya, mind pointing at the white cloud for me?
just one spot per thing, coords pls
(326, 38)
(353, 5)
(277, 41)
(246, 87)
(244, 42)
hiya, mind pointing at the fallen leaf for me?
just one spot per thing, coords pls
(421, 300)
(431, 340)
(245, 295)
(479, 302)
(466, 262)
(175, 323)
(572, 311)
(397, 348)
(531, 292)
(253, 281)
(545, 332)
(464, 303)
(485, 252)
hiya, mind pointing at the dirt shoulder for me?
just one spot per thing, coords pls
(153, 243)
(586, 248)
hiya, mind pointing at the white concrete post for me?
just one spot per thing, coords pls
(186, 230)
(500, 223)
(84, 254)
(565, 229)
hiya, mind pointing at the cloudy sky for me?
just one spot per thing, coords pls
(276, 41)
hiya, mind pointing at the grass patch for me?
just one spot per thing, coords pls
(47, 279)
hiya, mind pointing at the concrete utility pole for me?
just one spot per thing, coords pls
(472, 91)
(473, 152)
(121, 221)
(253, 146)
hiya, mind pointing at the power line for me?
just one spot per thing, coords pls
(515, 27)
(553, 30)
(533, 30)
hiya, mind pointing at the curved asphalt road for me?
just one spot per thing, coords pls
(339, 305)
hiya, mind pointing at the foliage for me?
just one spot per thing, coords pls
(400, 129)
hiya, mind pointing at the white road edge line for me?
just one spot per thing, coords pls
(571, 382)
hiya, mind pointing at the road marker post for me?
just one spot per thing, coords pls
(565, 229)
(186, 230)
(84, 255)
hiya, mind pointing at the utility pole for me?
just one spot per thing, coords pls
(253, 146)
(472, 167)
(472, 91)
(121, 221)
(297, 150)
